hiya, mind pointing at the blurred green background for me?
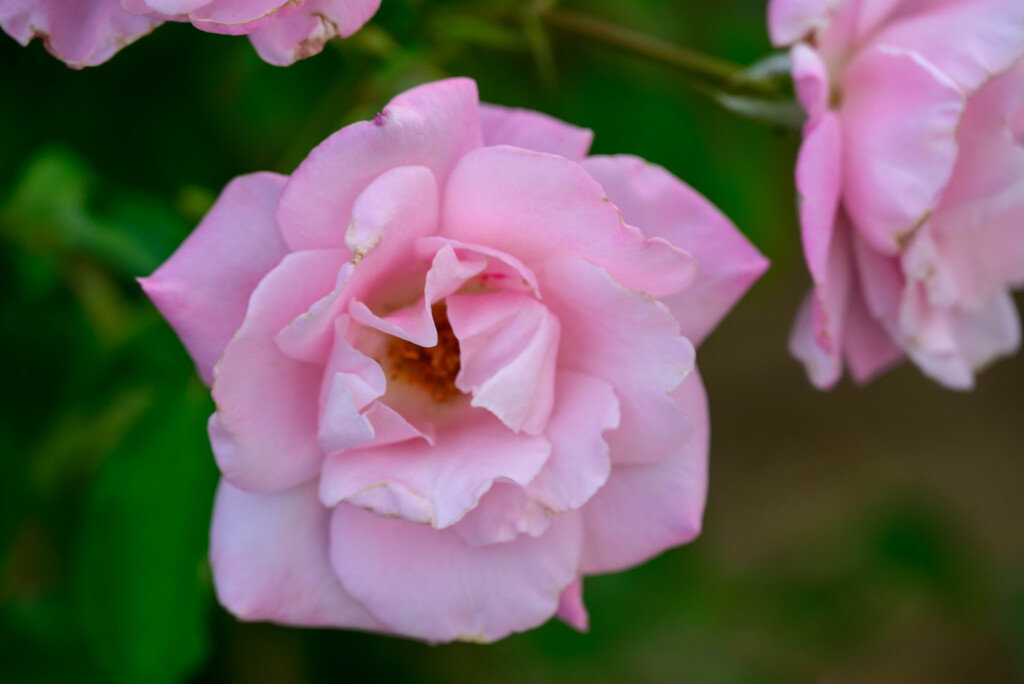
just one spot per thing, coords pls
(865, 535)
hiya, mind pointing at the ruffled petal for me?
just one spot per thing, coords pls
(264, 434)
(439, 483)
(663, 206)
(508, 344)
(634, 343)
(433, 125)
(82, 33)
(304, 32)
(203, 289)
(645, 509)
(434, 586)
(537, 206)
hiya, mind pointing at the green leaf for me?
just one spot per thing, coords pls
(140, 578)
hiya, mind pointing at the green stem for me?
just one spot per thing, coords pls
(720, 73)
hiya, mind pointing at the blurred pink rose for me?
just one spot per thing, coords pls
(450, 378)
(912, 182)
(89, 32)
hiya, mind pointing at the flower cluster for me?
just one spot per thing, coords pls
(89, 32)
(453, 362)
(912, 182)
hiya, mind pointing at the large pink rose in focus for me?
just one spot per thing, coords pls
(912, 182)
(89, 32)
(451, 378)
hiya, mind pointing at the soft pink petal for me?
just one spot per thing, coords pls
(645, 509)
(811, 80)
(264, 433)
(818, 335)
(507, 348)
(415, 322)
(586, 409)
(868, 347)
(203, 289)
(165, 7)
(571, 609)
(503, 271)
(818, 180)
(630, 340)
(533, 206)
(269, 554)
(236, 17)
(663, 206)
(433, 125)
(80, 33)
(533, 131)
(790, 21)
(900, 120)
(396, 209)
(304, 32)
(967, 40)
(505, 512)
(432, 585)
(439, 483)
(989, 332)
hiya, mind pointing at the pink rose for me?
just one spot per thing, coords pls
(450, 378)
(912, 180)
(89, 32)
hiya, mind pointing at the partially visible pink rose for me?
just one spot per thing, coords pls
(89, 32)
(912, 182)
(451, 378)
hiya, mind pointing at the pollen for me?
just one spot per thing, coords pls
(432, 369)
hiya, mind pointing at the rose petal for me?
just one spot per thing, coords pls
(77, 33)
(585, 409)
(504, 513)
(645, 509)
(267, 402)
(663, 206)
(535, 206)
(507, 347)
(630, 340)
(533, 131)
(434, 586)
(269, 554)
(203, 289)
(434, 484)
(433, 125)
(900, 118)
(304, 32)
(571, 609)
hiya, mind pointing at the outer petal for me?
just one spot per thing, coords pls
(234, 17)
(819, 332)
(535, 206)
(304, 32)
(203, 289)
(790, 21)
(663, 206)
(433, 585)
(868, 346)
(505, 512)
(433, 125)
(900, 118)
(818, 180)
(82, 33)
(264, 433)
(507, 347)
(571, 609)
(634, 343)
(270, 560)
(533, 131)
(435, 484)
(811, 80)
(967, 40)
(645, 509)
(580, 463)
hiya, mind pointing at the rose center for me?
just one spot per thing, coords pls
(430, 368)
